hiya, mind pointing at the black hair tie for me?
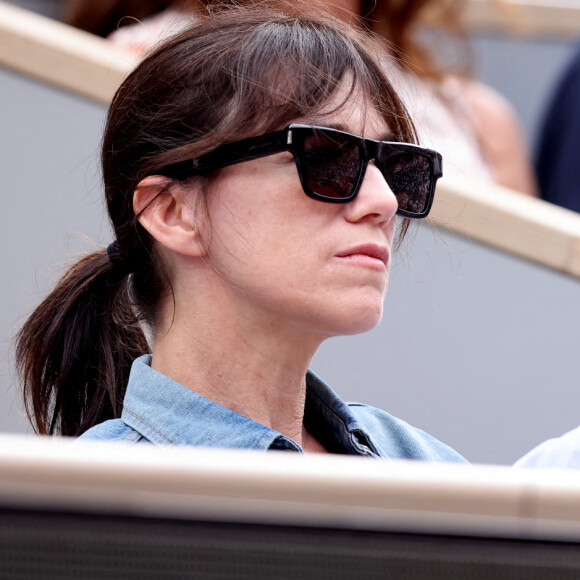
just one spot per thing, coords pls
(116, 257)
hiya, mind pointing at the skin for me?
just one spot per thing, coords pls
(275, 275)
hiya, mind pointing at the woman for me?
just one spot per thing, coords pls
(245, 235)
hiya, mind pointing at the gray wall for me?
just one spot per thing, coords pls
(51, 203)
(50, 8)
(476, 347)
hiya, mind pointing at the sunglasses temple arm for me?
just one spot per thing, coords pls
(245, 150)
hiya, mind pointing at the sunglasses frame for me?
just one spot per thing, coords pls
(292, 139)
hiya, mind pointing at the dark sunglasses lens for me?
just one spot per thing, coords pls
(332, 165)
(409, 176)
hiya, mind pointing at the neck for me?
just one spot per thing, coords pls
(257, 372)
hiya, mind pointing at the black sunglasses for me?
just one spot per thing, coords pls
(331, 164)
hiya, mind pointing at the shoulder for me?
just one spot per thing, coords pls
(487, 100)
(497, 129)
(492, 112)
(397, 439)
(558, 453)
(112, 430)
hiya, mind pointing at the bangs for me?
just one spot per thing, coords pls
(300, 71)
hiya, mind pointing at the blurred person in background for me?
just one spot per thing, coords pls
(473, 126)
(557, 453)
(558, 151)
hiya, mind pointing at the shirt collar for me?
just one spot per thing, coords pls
(330, 420)
(165, 412)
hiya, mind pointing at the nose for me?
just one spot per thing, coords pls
(375, 200)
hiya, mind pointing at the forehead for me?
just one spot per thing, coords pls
(348, 109)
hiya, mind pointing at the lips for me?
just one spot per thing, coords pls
(369, 250)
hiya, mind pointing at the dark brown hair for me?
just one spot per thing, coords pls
(238, 73)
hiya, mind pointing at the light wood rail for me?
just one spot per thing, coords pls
(333, 491)
(545, 18)
(509, 221)
(61, 55)
(84, 64)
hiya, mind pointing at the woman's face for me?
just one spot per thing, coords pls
(284, 258)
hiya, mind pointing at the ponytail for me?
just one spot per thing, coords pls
(74, 353)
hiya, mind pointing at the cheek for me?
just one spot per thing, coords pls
(246, 230)
(260, 211)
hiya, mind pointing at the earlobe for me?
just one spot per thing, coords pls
(166, 211)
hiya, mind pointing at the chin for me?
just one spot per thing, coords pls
(363, 326)
(363, 312)
(359, 320)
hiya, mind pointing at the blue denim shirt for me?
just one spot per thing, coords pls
(159, 410)
(557, 453)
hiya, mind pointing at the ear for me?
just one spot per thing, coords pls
(166, 211)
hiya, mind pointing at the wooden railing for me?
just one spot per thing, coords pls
(512, 222)
(84, 64)
(323, 491)
(61, 55)
(559, 18)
